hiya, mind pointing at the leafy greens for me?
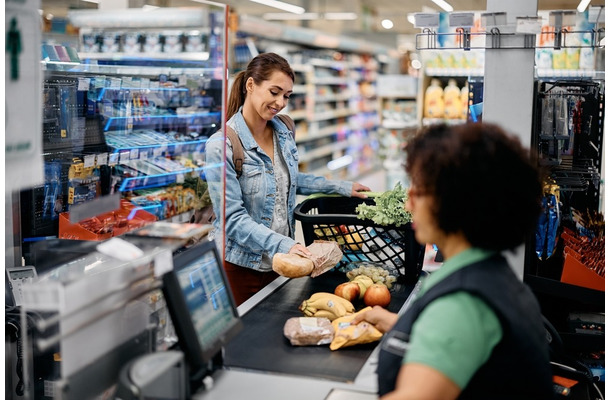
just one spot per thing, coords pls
(389, 208)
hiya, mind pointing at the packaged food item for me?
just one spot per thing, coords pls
(347, 334)
(308, 331)
(325, 255)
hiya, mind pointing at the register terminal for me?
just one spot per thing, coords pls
(202, 309)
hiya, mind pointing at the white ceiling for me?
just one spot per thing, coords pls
(370, 12)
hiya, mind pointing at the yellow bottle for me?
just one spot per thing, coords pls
(465, 94)
(434, 104)
(453, 102)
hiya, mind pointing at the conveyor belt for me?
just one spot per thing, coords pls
(261, 344)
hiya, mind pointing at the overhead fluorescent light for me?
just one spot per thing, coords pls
(92, 1)
(147, 7)
(290, 16)
(411, 18)
(341, 15)
(583, 5)
(281, 5)
(444, 5)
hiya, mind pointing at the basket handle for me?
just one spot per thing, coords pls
(318, 195)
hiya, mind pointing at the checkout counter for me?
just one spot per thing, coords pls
(260, 363)
(96, 315)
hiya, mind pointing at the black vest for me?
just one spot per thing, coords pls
(518, 367)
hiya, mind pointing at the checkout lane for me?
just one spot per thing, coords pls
(260, 363)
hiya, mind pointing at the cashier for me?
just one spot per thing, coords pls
(475, 331)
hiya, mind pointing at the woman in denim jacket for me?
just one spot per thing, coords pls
(259, 205)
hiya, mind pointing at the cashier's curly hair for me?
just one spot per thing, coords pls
(483, 182)
(260, 69)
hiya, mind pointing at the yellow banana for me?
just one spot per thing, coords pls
(329, 304)
(349, 307)
(325, 314)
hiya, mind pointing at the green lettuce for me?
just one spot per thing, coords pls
(389, 208)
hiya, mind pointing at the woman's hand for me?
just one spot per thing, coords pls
(382, 319)
(357, 188)
(300, 250)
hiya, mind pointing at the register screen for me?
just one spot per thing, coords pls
(207, 298)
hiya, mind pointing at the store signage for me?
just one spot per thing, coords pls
(23, 96)
(529, 25)
(461, 20)
(427, 20)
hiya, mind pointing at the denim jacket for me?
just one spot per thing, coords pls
(249, 200)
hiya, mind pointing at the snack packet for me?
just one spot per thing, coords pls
(347, 334)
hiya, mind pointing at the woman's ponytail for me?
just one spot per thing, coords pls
(237, 95)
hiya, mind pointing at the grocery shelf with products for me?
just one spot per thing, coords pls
(334, 103)
(124, 136)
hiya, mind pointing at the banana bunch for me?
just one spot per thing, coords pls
(326, 305)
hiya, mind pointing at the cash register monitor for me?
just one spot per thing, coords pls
(201, 306)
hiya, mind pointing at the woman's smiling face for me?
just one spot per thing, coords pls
(270, 96)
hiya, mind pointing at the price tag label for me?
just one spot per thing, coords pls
(83, 84)
(134, 154)
(157, 151)
(465, 20)
(180, 178)
(182, 80)
(115, 83)
(89, 161)
(144, 155)
(124, 156)
(113, 159)
(102, 159)
(427, 20)
(529, 25)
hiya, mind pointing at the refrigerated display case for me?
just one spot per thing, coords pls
(124, 132)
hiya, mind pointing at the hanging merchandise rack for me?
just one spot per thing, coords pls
(466, 40)
(568, 137)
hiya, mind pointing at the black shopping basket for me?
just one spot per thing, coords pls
(335, 218)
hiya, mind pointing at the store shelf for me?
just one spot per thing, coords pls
(325, 115)
(565, 290)
(333, 98)
(323, 151)
(161, 180)
(455, 72)
(125, 57)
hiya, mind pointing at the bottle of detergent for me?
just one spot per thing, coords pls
(453, 101)
(434, 104)
(465, 94)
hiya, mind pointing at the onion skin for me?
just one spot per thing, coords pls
(377, 295)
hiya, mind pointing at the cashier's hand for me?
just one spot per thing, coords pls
(300, 250)
(382, 319)
(357, 188)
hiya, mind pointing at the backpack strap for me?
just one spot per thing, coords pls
(238, 150)
(289, 122)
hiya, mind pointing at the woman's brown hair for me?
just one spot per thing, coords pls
(260, 69)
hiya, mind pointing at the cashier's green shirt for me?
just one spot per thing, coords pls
(456, 333)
